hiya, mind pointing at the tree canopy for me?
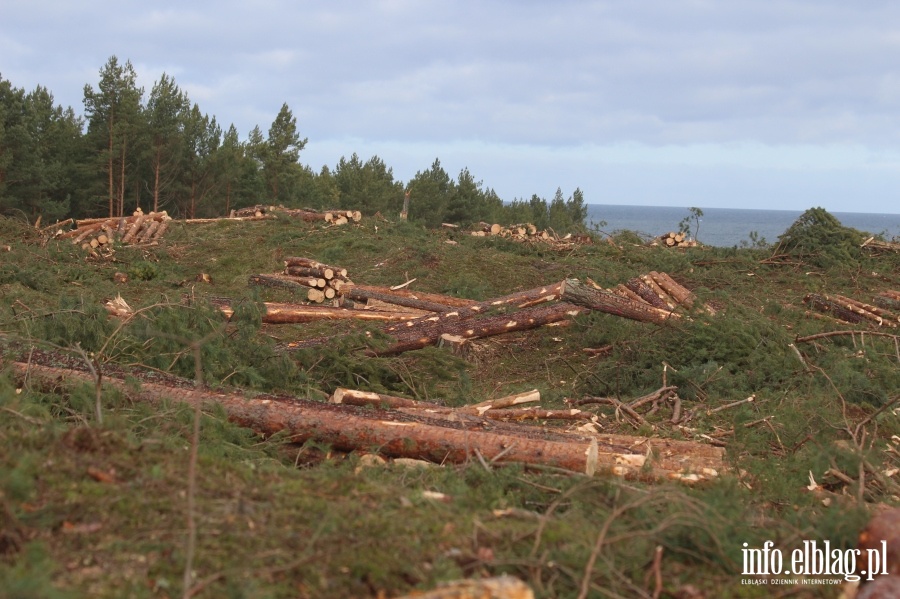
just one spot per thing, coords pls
(161, 151)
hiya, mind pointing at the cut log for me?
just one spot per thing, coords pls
(680, 294)
(279, 313)
(310, 263)
(315, 295)
(668, 301)
(825, 305)
(361, 294)
(874, 313)
(404, 435)
(355, 397)
(575, 292)
(495, 229)
(520, 299)
(349, 428)
(296, 284)
(476, 328)
(134, 228)
(642, 290)
(889, 300)
(437, 298)
(305, 271)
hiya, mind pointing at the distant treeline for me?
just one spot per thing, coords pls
(161, 152)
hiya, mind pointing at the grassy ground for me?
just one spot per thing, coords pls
(100, 509)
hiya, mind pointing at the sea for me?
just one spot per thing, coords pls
(726, 227)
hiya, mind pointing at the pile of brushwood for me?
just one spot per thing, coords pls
(177, 448)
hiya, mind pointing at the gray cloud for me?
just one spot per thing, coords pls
(534, 74)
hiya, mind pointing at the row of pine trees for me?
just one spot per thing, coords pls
(160, 151)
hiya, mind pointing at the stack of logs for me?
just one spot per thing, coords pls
(855, 312)
(658, 290)
(527, 232)
(675, 240)
(319, 282)
(97, 235)
(333, 217)
(419, 319)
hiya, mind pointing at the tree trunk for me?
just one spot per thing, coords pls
(277, 313)
(362, 294)
(521, 299)
(395, 434)
(577, 293)
(400, 434)
(437, 298)
(475, 328)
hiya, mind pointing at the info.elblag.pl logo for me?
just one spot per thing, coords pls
(815, 560)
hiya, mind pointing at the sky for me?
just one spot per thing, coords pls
(707, 103)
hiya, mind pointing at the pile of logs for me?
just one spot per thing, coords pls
(527, 232)
(333, 217)
(417, 320)
(674, 240)
(855, 312)
(319, 282)
(658, 290)
(98, 235)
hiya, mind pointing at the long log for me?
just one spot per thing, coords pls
(280, 313)
(437, 298)
(519, 300)
(295, 284)
(349, 428)
(362, 294)
(575, 292)
(868, 311)
(826, 305)
(476, 328)
(405, 435)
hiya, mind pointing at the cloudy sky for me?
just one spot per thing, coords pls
(709, 103)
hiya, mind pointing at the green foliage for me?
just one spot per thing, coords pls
(143, 271)
(820, 238)
(696, 214)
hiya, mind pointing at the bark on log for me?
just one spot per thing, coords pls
(476, 328)
(437, 298)
(887, 300)
(279, 313)
(295, 284)
(575, 292)
(679, 293)
(304, 271)
(825, 305)
(309, 263)
(404, 435)
(642, 290)
(667, 300)
(361, 294)
(521, 299)
(868, 311)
